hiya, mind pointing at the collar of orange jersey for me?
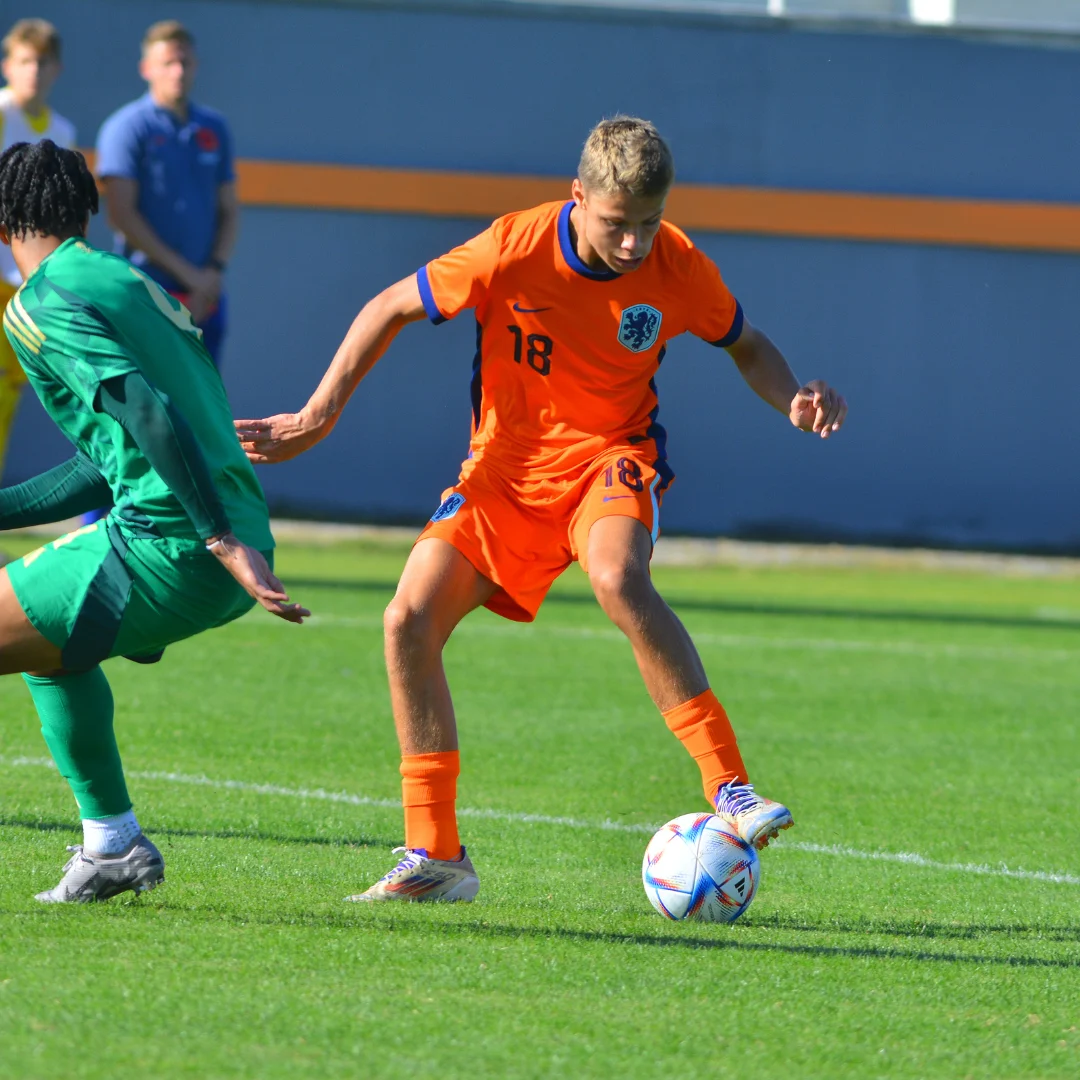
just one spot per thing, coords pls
(569, 252)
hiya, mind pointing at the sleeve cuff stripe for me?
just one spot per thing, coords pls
(432, 309)
(735, 332)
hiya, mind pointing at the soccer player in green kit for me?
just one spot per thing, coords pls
(121, 369)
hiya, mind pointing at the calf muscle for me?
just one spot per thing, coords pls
(619, 551)
(438, 588)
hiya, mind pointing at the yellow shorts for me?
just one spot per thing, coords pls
(12, 379)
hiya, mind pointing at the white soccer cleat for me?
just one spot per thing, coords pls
(418, 877)
(99, 877)
(756, 819)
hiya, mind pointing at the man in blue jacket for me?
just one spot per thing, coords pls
(167, 169)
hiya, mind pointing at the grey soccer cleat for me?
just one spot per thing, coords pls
(99, 877)
(419, 877)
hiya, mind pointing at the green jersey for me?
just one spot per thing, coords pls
(84, 317)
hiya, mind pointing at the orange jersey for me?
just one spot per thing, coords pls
(566, 356)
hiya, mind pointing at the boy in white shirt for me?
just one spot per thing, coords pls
(31, 64)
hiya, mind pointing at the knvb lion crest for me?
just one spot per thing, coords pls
(639, 327)
(449, 507)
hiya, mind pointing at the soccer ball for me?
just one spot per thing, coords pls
(697, 867)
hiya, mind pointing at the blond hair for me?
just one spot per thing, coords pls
(168, 30)
(37, 33)
(626, 154)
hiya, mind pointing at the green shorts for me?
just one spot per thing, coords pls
(97, 593)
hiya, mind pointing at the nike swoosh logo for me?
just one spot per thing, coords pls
(529, 310)
(608, 498)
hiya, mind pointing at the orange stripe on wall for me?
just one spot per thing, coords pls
(402, 191)
(713, 208)
(893, 218)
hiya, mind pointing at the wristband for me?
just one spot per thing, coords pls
(216, 544)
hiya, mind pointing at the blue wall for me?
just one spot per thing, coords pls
(959, 365)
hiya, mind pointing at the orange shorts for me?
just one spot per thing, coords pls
(522, 534)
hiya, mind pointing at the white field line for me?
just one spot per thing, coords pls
(918, 649)
(910, 859)
(904, 858)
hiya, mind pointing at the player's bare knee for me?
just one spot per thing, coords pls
(398, 619)
(406, 626)
(620, 589)
(16, 658)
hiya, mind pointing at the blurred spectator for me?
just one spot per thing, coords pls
(31, 64)
(166, 166)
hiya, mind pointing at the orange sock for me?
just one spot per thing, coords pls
(703, 727)
(428, 793)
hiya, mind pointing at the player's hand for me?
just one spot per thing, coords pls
(256, 578)
(198, 307)
(278, 438)
(204, 293)
(817, 407)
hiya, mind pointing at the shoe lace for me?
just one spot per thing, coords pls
(411, 860)
(737, 798)
(78, 850)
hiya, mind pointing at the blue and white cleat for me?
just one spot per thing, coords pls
(756, 819)
(418, 877)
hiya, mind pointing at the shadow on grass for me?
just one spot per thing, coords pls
(216, 834)
(931, 931)
(734, 607)
(488, 929)
(358, 918)
(751, 947)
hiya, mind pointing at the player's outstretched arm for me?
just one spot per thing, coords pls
(65, 491)
(281, 437)
(815, 406)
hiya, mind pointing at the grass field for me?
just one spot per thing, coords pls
(922, 919)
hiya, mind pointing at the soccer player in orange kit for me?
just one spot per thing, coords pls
(575, 303)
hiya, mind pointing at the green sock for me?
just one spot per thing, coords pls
(76, 713)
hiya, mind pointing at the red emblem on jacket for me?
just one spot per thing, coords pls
(207, 140)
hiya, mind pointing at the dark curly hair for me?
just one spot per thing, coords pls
(45, 190)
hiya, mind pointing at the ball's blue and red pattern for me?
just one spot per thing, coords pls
(697, 867)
